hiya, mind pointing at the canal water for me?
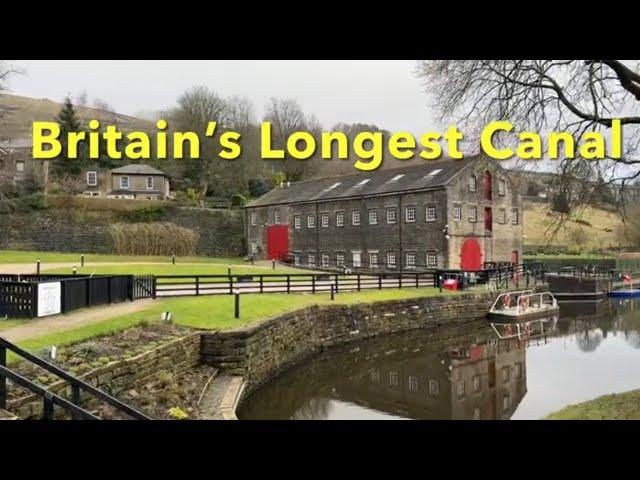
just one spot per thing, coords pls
(478, 371)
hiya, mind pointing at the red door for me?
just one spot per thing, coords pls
(471, 255)
(277, 242)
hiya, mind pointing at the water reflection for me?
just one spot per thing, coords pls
(482, 371)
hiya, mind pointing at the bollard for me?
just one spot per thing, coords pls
(237, 304)
(38, 267)
(82, 260)
(74, 270)
(332, 292)
(173, 259)
(229, 270)
(252, 260)
(273, 264)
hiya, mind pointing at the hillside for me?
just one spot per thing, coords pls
(19, 112)
(589, 227)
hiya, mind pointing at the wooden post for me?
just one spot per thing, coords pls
(3, 379)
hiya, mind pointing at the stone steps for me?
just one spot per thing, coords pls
(220, 400)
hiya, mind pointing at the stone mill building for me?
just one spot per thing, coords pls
(438, 214)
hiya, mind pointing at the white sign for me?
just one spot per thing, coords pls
(49, 298)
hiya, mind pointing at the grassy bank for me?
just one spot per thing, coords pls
(19, 256)
(619, 406)
(217, 312)
(181, 269)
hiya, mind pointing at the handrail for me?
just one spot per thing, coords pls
(48, 397)
(76, 384)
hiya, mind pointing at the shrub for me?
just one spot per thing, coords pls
(160, 239)
(177, 413)
(147, 214)
(238, 200)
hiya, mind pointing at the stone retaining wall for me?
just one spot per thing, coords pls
(261, 351)
(119, 376)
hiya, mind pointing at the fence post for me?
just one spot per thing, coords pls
(197, 285)
(154, 287)
(358, 282)
(400, 280)
(3, 379)
(88, 293)
(337, 284)
(261, 284)
(288, 284)
(417, 280)
(379, 281)
(230, 285)
(82, 260)
(38, 267)
(47, 407)
(313, 284)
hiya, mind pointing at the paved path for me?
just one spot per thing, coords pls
(38, 327)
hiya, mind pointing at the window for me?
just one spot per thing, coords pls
(391, 215)
(124, 183)
(296, 259)
(518, 370)
(397, 177)
(373, 259)
(501, 187)
(19, 166)
(355, 218)
(432, 260)
(488, 219)
(434, 387)
(473, 183)
(92, 179)
(356, 260)
(149, 183)
(410, 214)
(457, 212)
(373, 217)
(312, 259)
(276, 216)
(254, 247)
(476, 413)
(413, 384)
(391, 260)
(506, 402)
(460, 389)
(502, 215)
(476, 383)
(506, 371)
(375, 376)
(431, 213)
(297, 222)
(340, 219)
(325, 220)
(410, 260)
(311, 221)
(394, 379)
(473, 213)
(340, 260)
(515, 216)
(325, 260)
(486, 185)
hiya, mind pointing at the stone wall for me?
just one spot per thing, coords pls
(86, 231)
(261, 351)
(119, 376)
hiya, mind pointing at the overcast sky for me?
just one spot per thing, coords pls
(381, 92)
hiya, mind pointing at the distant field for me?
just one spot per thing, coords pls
(601, 230)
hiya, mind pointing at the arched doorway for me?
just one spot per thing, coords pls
(471, 255)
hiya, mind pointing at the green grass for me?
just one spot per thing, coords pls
(620, 406)
(561, 256)
(217, 312)
(178, 269)
(10, 323)
(19, 256)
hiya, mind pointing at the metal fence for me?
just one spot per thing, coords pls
(19, 293)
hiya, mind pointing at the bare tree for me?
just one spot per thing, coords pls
(100, 104)
(543, 95)
(240, 116)
(82, 99)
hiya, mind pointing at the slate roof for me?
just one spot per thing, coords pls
(138, 169)
(427, 175)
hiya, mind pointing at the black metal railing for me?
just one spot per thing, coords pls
(50, 399)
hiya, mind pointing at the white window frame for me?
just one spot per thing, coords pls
(457, 212)
(434, 388)
(373, 216)
(473, 184)
(460, 389)
(410, 214)
(355, 215)
(394, 379)
(311, 221)
(506, 374)
(339, 260)
(413, 383)
(407, 257)
(297, 222)
(296, 259)
(476, 383)
(354, 263)
(339, 219)
(324, 259)
(253, 219)
(473, 218)
(502, 216)
(502, 187)
(276, 216)
(93, 174)
(432, 260)
(373, 256)
(515, 216)
(428, 208)
(394, 256)
(150, 187)
(19, 166)
(324, 220)
(122, 186)
(311, 259)
(393, 211)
